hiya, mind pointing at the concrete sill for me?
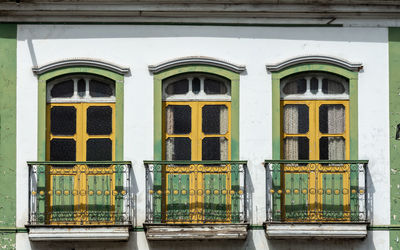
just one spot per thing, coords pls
(81, 233)
(196, 231)
(315, 230)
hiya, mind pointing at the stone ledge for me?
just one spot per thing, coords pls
(49, 233)
(315, 230)
(196, 231)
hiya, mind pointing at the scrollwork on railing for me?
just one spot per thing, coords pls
(316, 191)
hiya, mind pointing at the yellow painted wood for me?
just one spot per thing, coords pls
(315, 171)
(80, 172)
(196, 172)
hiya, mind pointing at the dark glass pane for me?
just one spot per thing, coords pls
(214, 148)
(99, 120)
(99, 150)
(178, 87)
(63, 120)
(295, 119)
(63, 89)
(332, 118)
(298, 86)
(214, 87)
(178, 119)
(314, 85)
(81, 87)
(296, 148)
(332, 148)
(332, 87)
(178, 149)
(196, 85)
(215, 119)
(62, 150)
(100, 89)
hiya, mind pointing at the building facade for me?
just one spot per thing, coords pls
(203, 125)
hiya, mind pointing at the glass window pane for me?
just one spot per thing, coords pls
(296, 148)
(63, 120)
(214, 148)
(332, 87)
(63, 89)
(99, 150)
(295, 118)
(100, 89)
(215, 119)
(332, 118)
(62, 150)
(196, 85)
(99, 120)
(296, 87)
(178, 149)
(178, 87)
(314, 85)
(332, 148)
(178, 119)
(81, 87)
(213, 87)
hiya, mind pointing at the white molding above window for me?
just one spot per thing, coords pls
(80, 62)
(196, 60)
(314, 59)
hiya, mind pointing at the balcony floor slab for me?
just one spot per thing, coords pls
(81, 233)
(196, 231)
(315, 230)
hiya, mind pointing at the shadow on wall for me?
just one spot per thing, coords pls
(26, 32)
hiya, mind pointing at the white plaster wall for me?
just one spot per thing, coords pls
(138, 46)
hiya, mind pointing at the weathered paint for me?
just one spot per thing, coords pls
(119, 103)
(8, 109)
(140, 46)
(394, 109)
(234, 79)
(276, 80)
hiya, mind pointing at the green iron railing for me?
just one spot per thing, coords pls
(316, 191)
(80, 193)
(196, 192)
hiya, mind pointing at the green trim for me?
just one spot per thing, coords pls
(119, 105)
(233, 77)
(8, 134)
(13, 230)
(394, 116)
(276, 115)
(158, 80)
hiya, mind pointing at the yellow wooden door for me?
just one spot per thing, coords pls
(81, 193)
(316, 191)
(197, 131)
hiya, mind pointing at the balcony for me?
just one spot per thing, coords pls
(190, 200)
(316, 199)
(79, 200)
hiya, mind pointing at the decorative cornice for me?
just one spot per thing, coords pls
(80, 62)
(196, 60)
(315, 59)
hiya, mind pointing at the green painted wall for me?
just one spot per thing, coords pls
(8, 110)
(394, 111)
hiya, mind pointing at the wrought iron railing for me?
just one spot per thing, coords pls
(80, 193)
(196, 192)
(316, 191)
